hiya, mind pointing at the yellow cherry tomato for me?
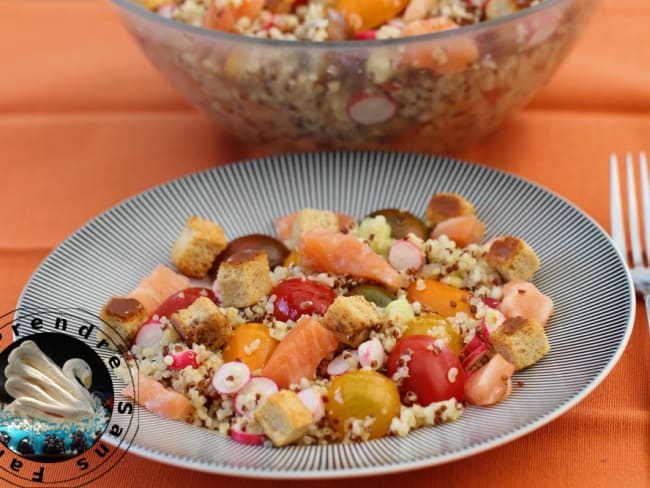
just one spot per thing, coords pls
(292, 258)
(358, 395)
(252, 344)
(436, 326)
(363, 15)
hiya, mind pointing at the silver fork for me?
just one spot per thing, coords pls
(640, 272)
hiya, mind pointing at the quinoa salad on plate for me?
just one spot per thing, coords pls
(334, 330)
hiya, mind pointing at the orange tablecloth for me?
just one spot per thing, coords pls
(85, 122)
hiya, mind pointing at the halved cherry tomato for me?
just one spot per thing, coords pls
(434, 374)
(296, 297)
(252, 344)
(359, 394)
(183, 299)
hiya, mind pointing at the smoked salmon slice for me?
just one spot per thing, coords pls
(522, 298)
(158, 399)
(337, 253)
(300, 352)
(463, 231)
(161, 283)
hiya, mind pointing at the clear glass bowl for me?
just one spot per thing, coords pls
(432, 93)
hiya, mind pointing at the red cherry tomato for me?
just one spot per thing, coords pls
(183, 299)
(297, 297)
(434, 374)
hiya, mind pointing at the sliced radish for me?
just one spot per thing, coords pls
(149, 334)
(339, 365)
(251, 396)
(477, 358)
(313, 400)
(246, 437)
(167, 10)
(404, 255)
(231, 377)
(371, 109)
(369, 35)
(371, 354)
(184, 359)
(490, 302)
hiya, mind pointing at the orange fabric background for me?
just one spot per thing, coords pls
(85, 121)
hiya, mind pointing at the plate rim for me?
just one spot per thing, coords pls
(396, 467)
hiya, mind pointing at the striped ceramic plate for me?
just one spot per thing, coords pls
(580, 270)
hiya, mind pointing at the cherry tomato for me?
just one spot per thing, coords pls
(359, 394)
(434, 374)
(252, 344)
(440, 298)
(275, 250)
(438, 327)
(297, 297)
(402, 223)
(183, 299)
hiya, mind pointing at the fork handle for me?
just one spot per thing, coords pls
(646, 297)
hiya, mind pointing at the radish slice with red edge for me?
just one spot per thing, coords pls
(149, 334)
(184, 359)
(477, 358)
(405, 255)
(251, 396)
(313, 400)
(244, 437)
(371, 354)
(369, 35)
(371, 109)
(490, 302)
(231, 377)
(339, 365)
(167, 10)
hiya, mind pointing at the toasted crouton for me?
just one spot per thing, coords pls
(197, 246)
(202, 323)
(351, 318)
(520, 341)
(309, 218)
(513, 258)
(283, 417)
(443, 206)
(244, 278)
(121, 318)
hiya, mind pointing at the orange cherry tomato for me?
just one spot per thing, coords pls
(440, 298)
(252, 344)
(362, 15)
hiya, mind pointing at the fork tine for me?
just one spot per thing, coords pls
(635, 236)
(645, 200)
(616, 211)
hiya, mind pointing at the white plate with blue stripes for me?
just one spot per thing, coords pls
(581, 271)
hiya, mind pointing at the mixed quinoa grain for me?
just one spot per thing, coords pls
(425, 94)
(358, 334)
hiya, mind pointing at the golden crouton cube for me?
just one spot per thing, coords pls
(351, 318)
(202, 323)
(283, 417)
(121, 318)
(520, 341)
(513, 258)
(244, 278)
(309, 218)
(197, 246)
(443, 206)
